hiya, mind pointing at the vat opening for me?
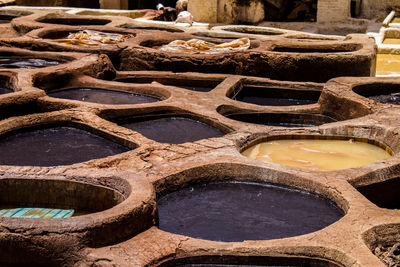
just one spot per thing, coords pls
(102, 96)
(386, 93)
(281, 119)
(75, 21)
(82, 198)
(318, 153)
(274, 95)
(237, 211)
(176, 129)
(383, 194)
(248, 261)
(199, 85)
(50, 145)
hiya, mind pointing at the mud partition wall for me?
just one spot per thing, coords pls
(164, 156)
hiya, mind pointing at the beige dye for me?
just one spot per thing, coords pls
(388, 64)
(322, 155)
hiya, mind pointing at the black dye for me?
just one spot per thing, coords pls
(267, 101)
(5, 91)
(282, 120)
(244, 211)
(102, 96)
(174, 130)
(266, 96)
(196, 88)
(393, 98)
(26, 63)
(55, 146)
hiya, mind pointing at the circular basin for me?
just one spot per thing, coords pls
(319, 154)
(386, 93)
(81, 198)
(102, 96)
(174, 130)
(55, 146)
(237, 211)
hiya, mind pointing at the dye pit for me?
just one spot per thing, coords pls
(275, 96)
(55, 146)
(292, 120)
(387, 65)
(323, 155)
(234, 212)
(26, 63)
(174, 130)
(102, 96)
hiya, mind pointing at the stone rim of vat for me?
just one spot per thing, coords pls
(128, 217)
(340, 99)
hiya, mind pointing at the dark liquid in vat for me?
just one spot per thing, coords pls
(5, 91)
(393, 98)
(174, 130)
(26, 63)
(102, 96)
(55, 146)
(244, 211)
(270, 96)
(266, 101)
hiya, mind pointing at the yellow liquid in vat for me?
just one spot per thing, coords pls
(391, 41)
(388, 64)
(314, 154)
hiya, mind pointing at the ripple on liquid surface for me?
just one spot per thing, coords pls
(314, 154)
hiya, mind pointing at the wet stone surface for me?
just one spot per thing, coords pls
(174, 130)
(102, 96)
(26, 63)
(233, 211)
(55, 146)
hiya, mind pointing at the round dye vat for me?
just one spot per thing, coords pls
(237, 211)
(174, 130)
(26, 63)
(315, 154)
(55, 146)
(388, 65)
(102, 96)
